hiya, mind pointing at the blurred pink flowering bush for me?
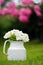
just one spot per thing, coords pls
(11, 5)
(15, 12)
(23, 18)
(27, 2)
(26, 17)
(6, 11)
(23, 13)
(42, 1)
(2, 1)
(37, 10)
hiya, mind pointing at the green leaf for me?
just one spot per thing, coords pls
(12, 37)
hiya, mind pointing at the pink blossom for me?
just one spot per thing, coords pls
(11, 5)
(15, 13)
(42, 1)
(27, 2)
(2, 1)
(38, 13)
(30, 2)
(36, 8)
(6, 11)
(23, 19)
(25, 11)
(0, 12)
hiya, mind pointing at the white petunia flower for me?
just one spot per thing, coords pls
(25, 37)
(19, 35)
(8, 34)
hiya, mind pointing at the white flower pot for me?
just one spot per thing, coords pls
(16, 51)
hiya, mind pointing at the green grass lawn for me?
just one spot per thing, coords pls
(34, 51)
